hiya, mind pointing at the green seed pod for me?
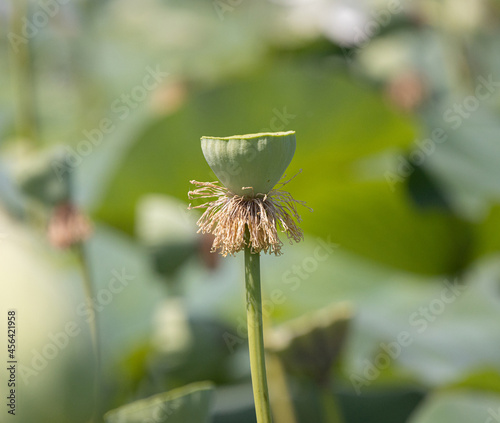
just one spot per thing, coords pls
(251, 164)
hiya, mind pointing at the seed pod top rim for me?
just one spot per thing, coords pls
(250, 165)
(250, 136)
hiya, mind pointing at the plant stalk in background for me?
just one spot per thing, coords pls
(69, 228)
(93, 327)
(22, 73)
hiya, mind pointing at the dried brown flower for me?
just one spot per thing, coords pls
(228, 216)
(68, 226)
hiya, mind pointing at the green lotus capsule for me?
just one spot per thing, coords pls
(251, 164)
(245, 198)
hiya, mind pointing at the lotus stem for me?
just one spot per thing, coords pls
(256, 336)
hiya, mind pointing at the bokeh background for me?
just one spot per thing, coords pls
(387, 312)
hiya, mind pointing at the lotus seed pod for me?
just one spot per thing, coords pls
(251, 164)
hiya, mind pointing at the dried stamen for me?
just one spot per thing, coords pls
(229, 215)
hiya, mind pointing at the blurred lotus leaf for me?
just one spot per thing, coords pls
(463, 406)
(198, 351)
(190, 403)
(168, 231)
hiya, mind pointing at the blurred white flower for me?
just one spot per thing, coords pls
(344, 23)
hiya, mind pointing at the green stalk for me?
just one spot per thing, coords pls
(331, 411)
(94, 334)
(281, 401)
(87, 283)
(256, 336)
(22, 75)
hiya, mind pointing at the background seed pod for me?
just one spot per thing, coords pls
(310, 345)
